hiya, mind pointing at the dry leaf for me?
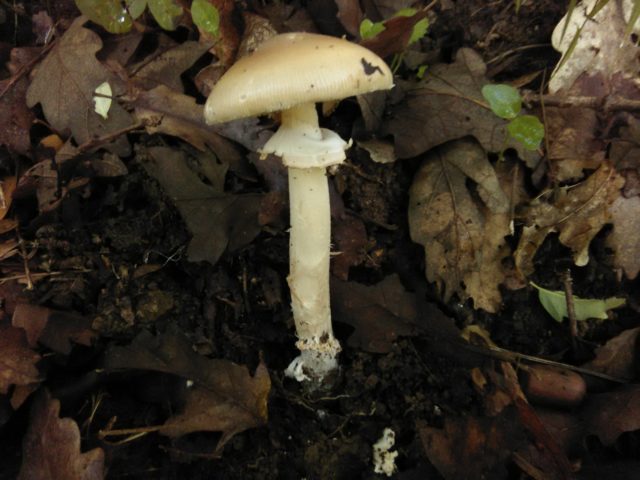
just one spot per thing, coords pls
(578, 215)
(350, 15)
(17, 360)
(225, 397)
(64, 84)
(178, 115)
(446, 105)
(624, 240)
(167, 67)
(602, 46)
(55, 330)
(617, 357)
(394, 39)
(51, 447)
(382, 313)
(573, 146)
(15, 117)
(216, 220)
(7, 186)
(462, 229)
(609, 415)
(350, 238)
(474, 447)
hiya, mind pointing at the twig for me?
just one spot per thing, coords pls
(571, 310)
(26, 68)
(609, 103)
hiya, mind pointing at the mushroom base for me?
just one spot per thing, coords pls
(317, 362)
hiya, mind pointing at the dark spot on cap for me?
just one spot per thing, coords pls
(370, 69)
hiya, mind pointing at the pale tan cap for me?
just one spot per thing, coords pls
(294, 68)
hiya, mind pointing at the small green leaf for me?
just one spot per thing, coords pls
(504, 100)
(205, 16)
(555, 303)
(166, 12)
(422, 69)
(368, 29)
(136, 7)
(109, 14)
(419, 30)
(406, 12)
(528, 130)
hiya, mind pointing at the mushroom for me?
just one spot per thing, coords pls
(290, 73)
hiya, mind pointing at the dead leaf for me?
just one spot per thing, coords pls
(7, 186)
(216, 220)
(463, 230)
(178, 115)
(350, 237)
(53, 329)
(64, 84)
(609, 415)
(617, 357)
(15, 117)
(167, 67)
(624, 240)
(51, 447)
(226, 43)
(602, 46)
(394, 39)
(257, 29)
(573, 146)
(225, 397)
(350, 15)
(380, 313)
(446, 105)
(474, 447)
(578, 215)
(17, 360)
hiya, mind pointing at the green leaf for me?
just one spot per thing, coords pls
(422, 69)
(136, 7)
(528, 130)
(109, 14)
(419, 30)
(368, 29)
(205, 16)
(504, 100)
(635, 13)
(166, 12)
(405, 12)
(555, 303)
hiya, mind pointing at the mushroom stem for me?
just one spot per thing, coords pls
(310, 241)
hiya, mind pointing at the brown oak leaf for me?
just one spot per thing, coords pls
(624, 240)
(462, 229)
(225, 397)
(17, 360)
(51, 447)
(64, 84)
(578, 214)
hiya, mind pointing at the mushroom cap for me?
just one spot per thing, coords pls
(294, 68)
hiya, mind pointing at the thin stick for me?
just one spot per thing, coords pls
(571, 309)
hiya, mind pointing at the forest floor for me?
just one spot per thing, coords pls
(144, 257)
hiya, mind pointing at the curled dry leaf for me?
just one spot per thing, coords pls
(17, 360)
(463, 230)
(51, 447)
(225, 397)
(578, 214)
